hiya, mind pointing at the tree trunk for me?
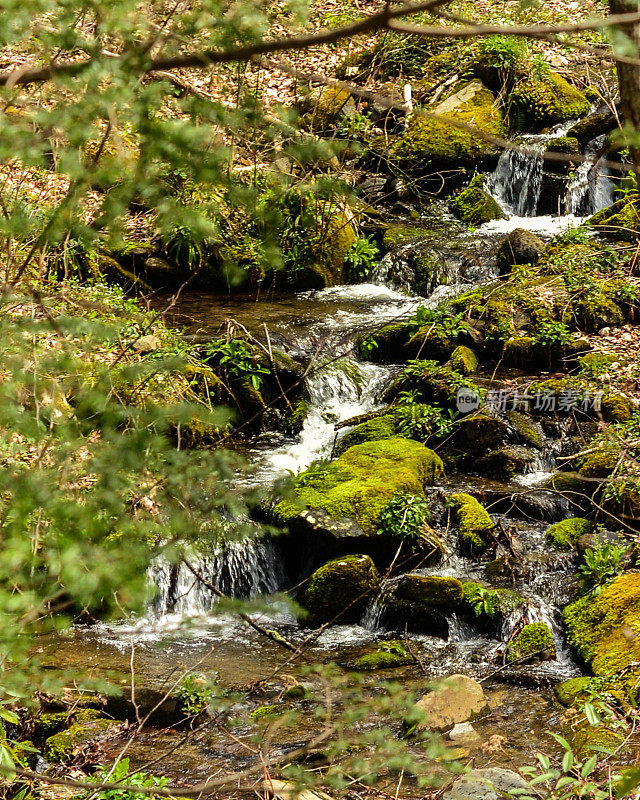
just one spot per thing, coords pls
(629, 80)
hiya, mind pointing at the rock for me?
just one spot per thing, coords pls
(64, 745)
(147, 344)
(373, 430)
(386, 656)
(353, 489)
(325, 104)
(617, 408)
(438, 592)
(389, 342)
(619, 221)
(480, 432)
(429, 143)
(534, 642)
(464, 360)
(529, 430)
(457, 699)
(593, 126)
(287, 790)
(475, 205)
(463, 732)
(341, 588)
(564, 535)
(538, 102)
(485, 784)
(519, 247)
(506, 461)
(472, 519)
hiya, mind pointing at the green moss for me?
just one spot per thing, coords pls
(372, 430)
(362, 481)
(428, 141)
(573, 691)
(294, 418)
(329, 254)
(522, 352)
(499, 602)
(564, 535)
(386, 656)
(599, 465)
(617, 408)
(481, 432)
(389, 342)
(339, 589)
(472, 519)
(527, 429)
(431, 341)
(434, 591)
(587, 740)
(539, 102)
(604, 630)
(61, 746)
(619, 221)
(506, 461)
(330, 102)
(464, 360)
(396, 236)
(265, 712)
(568, 145)
(475, 205)
(597, 311)
(294, 693)
(534, 641)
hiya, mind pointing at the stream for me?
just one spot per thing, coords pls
(180, 633)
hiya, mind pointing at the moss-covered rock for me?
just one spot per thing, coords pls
(472, 519)
(435, 591)
(568, 145)
(464, 360)
(543, 101)
(592, 126)
(385, 346)
(597, 311)
(339, 589)
(266, 712)
(519, 247)
(506, 461)
(587, 740)
(573, 691)
(64, 745)
(489, 604)
(617, 408)
(294, 417)
(327, 265)
(475, 205)
(327, 103)
(362, 480)
(387, 655)
(604, 630)
(529, 430)
(431, 342)
(599, 464)
(480, 432)
(432, 142)
(373, 430)
(564, 535)
(535, 641)
(619, 221)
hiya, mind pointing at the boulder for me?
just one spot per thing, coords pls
(564, 535)
(534, 642)
(464, 360)
(443, 593)
(485, 784)
(341, 588)
(475, 205)
(593, 126)
(472, 519)
(519, 247)
(538, 102)
(457, 699)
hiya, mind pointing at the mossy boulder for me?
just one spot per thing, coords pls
(64, 745)
(387, 655)
(429, 143)
(564, 535)
(617, 408)
(534, 642)
(474, 205)
(464, 360)
(327, 263)
(326, 104)
(619, 221)
(528, 430)
(604, 630)
(489, 604)
(480, 432)
(506, 461)
(295, 416)
(431, 342)
(519, 247)
(339, 589)
(373, 430)
(568, 145)
(435, 591)
(358, 484)
(592, 126)
(537, 102)
(472, 519)
(573, 691)
(597, 311)
(599, 464)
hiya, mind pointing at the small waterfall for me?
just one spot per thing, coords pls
(238, 569)
(337, 391)
(591, 188)
(516, 180)
(373, 617)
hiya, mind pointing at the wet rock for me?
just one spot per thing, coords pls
(463, 732)
(457, 698)
(478, 433)
(519, 247)
(387, 655)
(485, 784)
(339, 589)
(540, 101)
(534, 642)
(475, 205)
(592, 126)
(386, 345)
(66, 744)
(505, 462)
(564, 535)
(438, 592)
(472, 519)
(528, 430)
(464, 360)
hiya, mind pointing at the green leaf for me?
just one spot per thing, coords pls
(567, 761)
(589, 766)
(592, 715)
(9, 716)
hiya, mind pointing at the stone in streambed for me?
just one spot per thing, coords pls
(456, 699)
(485, 784)
(519, 247)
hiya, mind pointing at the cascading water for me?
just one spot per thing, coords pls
(249, 568)
(515, 183)
(592, 186)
